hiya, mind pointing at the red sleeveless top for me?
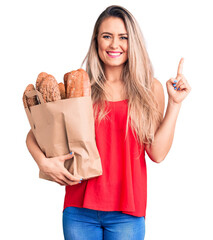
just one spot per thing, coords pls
(123, 184)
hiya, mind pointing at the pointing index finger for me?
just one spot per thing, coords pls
(180, 66)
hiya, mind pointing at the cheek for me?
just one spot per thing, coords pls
(126, 47)
(102, 46)
(100, 53)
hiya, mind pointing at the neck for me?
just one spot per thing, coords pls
(113, 74)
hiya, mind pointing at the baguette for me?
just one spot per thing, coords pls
(77, 83)
(62, 90)
(65, 82)
(86, 83)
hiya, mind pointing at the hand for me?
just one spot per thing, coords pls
(54, 167)
(178, 88)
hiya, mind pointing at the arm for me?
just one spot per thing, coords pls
(54, 167)
(164, 133)
(178, 88)
(34, 149)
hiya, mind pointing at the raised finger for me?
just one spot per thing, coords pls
(180, 67)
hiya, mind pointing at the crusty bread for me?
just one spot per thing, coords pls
(49, 89)
(65, 81)
(77, 84)
(62, 90)
(74, 87)
(29, 101)
(86, 83)
(40, 78)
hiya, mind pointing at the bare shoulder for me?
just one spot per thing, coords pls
(157, 86)
(158, 92)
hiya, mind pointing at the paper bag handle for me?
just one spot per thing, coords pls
(33, 93)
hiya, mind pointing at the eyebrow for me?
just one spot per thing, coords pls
(111, 33)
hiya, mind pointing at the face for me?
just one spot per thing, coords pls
(113, 42)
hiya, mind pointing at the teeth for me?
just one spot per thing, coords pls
(114, 54)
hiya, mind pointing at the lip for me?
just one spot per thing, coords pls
(113, 52)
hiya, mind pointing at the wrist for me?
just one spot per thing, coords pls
(173, 103)
(41, 163)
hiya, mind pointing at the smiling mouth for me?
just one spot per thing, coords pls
(114, 54)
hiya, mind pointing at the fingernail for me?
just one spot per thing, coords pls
(175, 88)
(81, 179)
(71, 153)
(175, 80)
(174, 84)
(80, 182)
(178, 88)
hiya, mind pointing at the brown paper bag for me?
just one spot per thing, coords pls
(63, 126)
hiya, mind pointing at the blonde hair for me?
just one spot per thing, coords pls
(137, 76)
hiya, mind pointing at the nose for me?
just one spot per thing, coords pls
(114, 43)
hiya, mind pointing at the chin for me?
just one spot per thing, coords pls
(114, 65)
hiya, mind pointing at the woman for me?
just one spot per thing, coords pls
(128, 108)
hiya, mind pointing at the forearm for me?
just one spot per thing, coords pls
(162, 143)
(34, 149)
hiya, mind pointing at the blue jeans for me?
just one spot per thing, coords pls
(88, 224)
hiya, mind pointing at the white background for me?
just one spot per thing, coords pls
(54, 36)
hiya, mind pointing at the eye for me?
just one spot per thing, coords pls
(124, 38)
(106, 36)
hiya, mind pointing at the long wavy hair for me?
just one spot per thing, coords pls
(137, 76)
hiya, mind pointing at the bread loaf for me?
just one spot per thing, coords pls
(86, 83)
(40, 78)
(62, 90)
(29, 101)
(77, 84)
(65, 82)
(49, 89)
